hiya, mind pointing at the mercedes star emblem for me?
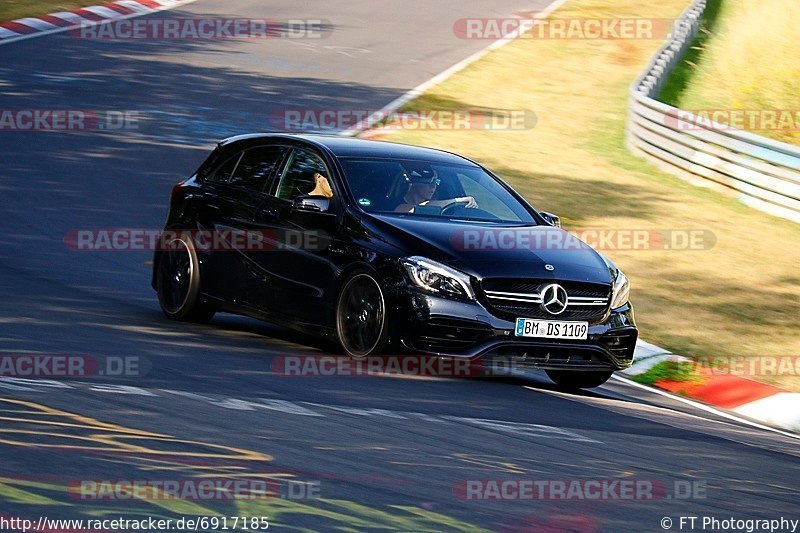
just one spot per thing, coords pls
(554, 299)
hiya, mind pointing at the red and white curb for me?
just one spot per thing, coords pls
(736, 394)
(26, 28)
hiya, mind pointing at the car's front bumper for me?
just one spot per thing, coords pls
(466, 329)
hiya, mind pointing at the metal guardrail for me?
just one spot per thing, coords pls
(765, 172)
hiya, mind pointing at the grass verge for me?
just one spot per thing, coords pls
(746, 59)
(668, 371)
(681, 77)
(14, 9)
(740, 296)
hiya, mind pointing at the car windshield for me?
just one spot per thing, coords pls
(431, 189)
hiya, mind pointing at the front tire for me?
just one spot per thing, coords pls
(576, 379)
(361, 325)
(178, 283)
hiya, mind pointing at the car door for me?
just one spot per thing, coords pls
(302, 273)
(211, 210)
(230, 206)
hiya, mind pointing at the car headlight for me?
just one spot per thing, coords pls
(438, 278)
(621, 291)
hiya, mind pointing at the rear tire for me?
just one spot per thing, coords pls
(178, 283)
(576, 379)
(361, 325)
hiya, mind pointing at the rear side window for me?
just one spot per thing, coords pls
(223, 173)
(256, 168)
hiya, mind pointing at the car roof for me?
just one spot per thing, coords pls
(341, 146)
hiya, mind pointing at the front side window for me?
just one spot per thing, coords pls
(256, 168)
(305, 174)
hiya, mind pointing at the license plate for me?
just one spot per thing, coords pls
(551, 329)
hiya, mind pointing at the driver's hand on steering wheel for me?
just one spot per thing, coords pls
(470, 201)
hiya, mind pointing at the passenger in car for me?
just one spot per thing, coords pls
(321, 187)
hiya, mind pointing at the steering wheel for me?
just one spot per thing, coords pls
(452, 205)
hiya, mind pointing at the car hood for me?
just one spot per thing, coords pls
(492, 250)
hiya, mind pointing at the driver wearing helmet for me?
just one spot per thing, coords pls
(422, 184)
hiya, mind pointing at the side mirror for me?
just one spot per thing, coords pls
(551, 219)
(316, 204)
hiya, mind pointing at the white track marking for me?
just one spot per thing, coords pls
(523, 429)
(45, 383)
(10, 386)
(122, 389)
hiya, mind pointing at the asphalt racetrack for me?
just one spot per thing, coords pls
(340, 453)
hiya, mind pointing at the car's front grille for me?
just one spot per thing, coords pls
(522, 297)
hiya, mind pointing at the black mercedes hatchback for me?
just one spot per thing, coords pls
(390, 248)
